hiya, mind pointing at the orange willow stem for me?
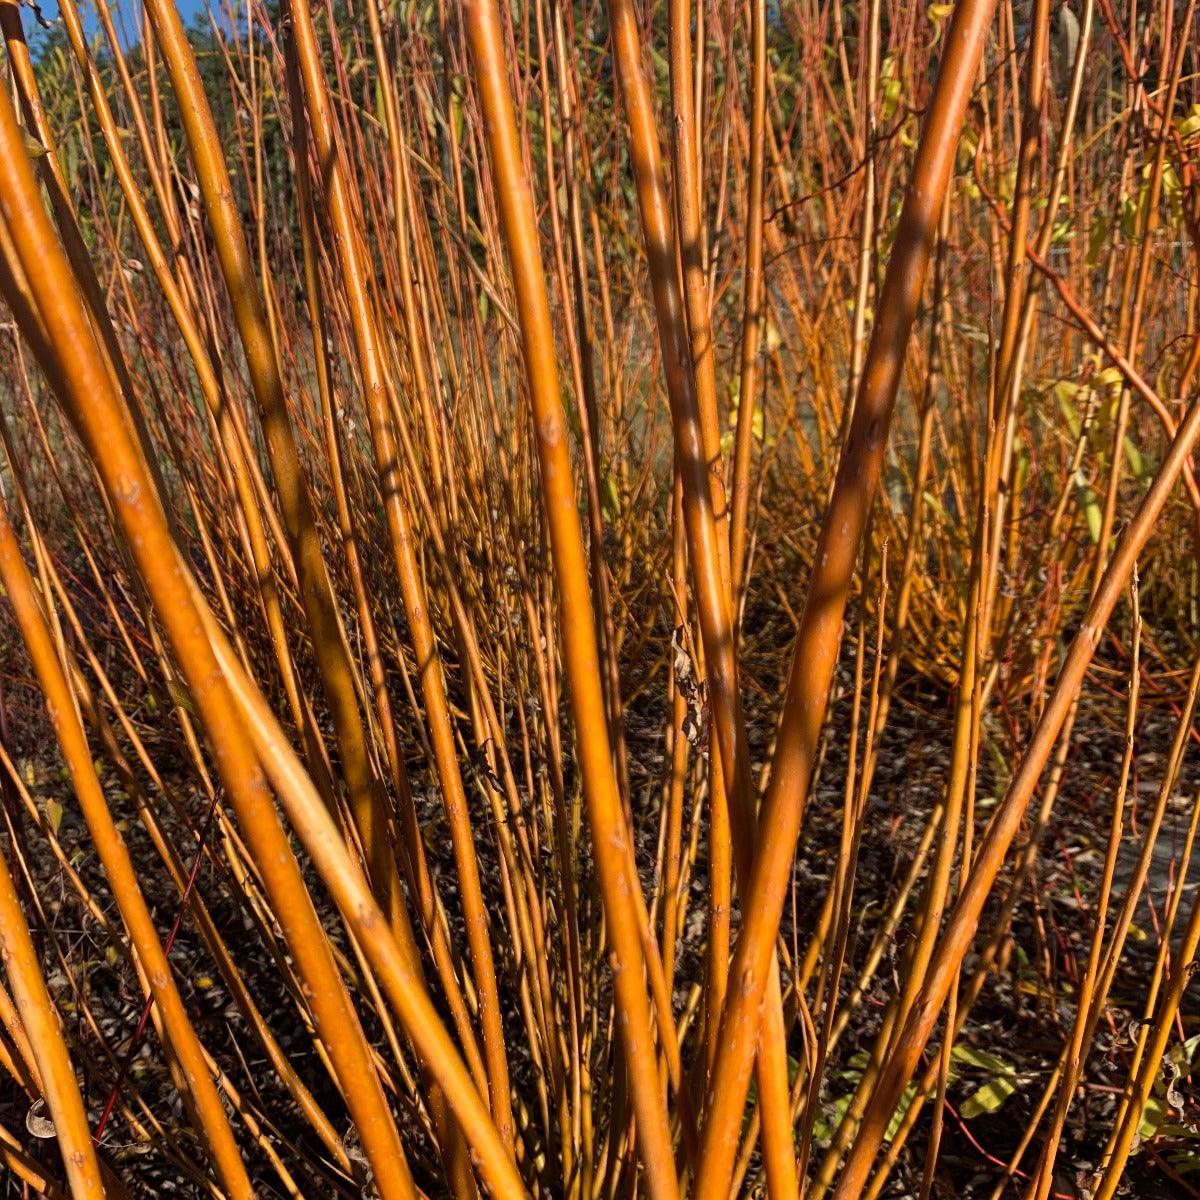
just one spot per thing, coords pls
(249, 312)
(118, 866)
(965, 917)
(89, 394)
(710, 577)
(226, 415)
(610, 834)
(341, 211)
(820, 626)
(350, 890)
(685, 159)
(752, 310)
(712, 595)
(41, 1025)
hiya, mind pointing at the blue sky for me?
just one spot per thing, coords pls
(126, 15)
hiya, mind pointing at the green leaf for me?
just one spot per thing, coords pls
(891, 89)
(936, 505)
(989, 1098)
(1185, 1051)
(1152, 1117)
(1156, 1111)
(1000, 1085)
(901, 1112)
(611, 501)
(982, 1059)
(1189, 126)
(1137, 464)
(826, 1124)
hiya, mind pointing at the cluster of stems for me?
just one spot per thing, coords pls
(481, 486)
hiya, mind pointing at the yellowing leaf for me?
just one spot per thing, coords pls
(937, 13)
(33, 147)
(179, 696)
(1064, 392)
(54, 815)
